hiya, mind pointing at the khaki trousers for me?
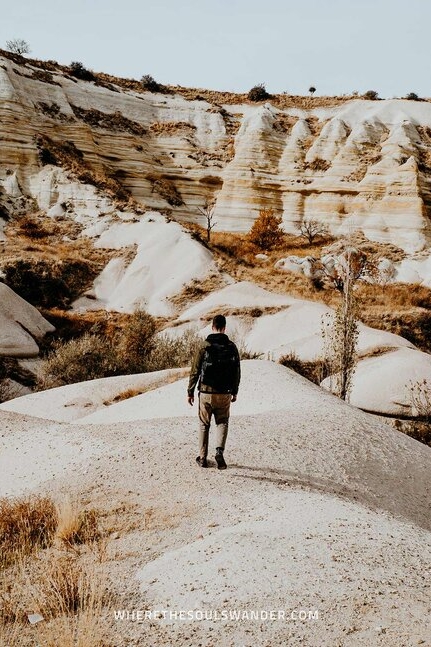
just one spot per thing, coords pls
(217, 404)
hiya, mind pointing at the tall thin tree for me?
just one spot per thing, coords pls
(207, 211)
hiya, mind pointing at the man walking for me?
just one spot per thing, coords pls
(216, 371)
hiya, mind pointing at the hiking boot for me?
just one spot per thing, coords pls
(221, 463)
(202, 462)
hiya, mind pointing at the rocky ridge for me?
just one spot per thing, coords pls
(356, 165)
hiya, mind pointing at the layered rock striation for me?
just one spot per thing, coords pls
(359, 165)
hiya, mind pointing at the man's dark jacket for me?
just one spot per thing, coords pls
(219, 338)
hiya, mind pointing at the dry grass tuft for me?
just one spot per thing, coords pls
(38, 577)
(34, 227)
(62, 586)
(26, 524)
(84, 630)
(70, 598)
(171, 128)
(76, 526)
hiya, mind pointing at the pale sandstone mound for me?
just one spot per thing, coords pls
(321, 508)
(166, 259)
(74, 401)
(389, 383)
(296, 328)
(243, 294)
(21, 325)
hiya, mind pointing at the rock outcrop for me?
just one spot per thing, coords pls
(21, 325)
(357, 165)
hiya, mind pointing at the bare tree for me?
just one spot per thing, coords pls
(352, 266)
(207, 211)
(311, 229)
(18, 46)
(341, 334)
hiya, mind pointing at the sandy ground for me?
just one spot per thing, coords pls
(322, 511)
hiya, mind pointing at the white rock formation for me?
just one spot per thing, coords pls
(360, 164)
(387, 383)
(166, 260)
(322, 507)
(21, 325)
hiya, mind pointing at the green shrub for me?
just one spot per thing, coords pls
(174, 352)
(135, 342)
(371, 95)
(77, 70)
(149, 83)
(87, 358)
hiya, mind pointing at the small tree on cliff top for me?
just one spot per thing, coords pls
(266, 231)
(18, 46)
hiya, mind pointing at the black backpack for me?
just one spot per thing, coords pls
(219, 366)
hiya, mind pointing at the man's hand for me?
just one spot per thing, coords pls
(233, 398)
(190, 400)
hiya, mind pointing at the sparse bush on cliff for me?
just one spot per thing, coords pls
(266, 231)
(68, 156)
(258, 93)
(18, 46)
(412, 96)
(150, 84)
(371, 95)
(78, 70)
(318, 164)
(115, 121)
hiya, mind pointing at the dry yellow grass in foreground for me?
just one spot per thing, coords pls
(51, 585)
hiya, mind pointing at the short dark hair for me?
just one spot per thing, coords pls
(219, 322)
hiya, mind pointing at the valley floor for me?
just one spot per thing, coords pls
(322, 517)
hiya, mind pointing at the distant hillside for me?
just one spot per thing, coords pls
(353, 163)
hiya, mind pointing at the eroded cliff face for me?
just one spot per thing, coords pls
(357, 165)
